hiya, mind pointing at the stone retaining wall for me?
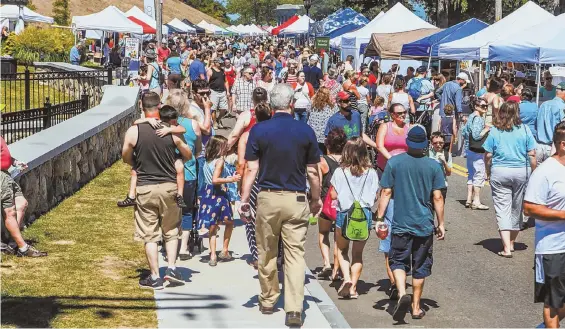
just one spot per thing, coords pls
(65, 157)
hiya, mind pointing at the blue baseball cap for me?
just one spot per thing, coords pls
(417, 138)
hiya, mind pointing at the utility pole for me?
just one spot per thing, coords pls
(159, 19)
(497, 10)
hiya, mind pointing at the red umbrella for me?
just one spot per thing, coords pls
(147, 29)
(278, 29)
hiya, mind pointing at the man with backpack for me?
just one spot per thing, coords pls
(422, 92)
(414, 177)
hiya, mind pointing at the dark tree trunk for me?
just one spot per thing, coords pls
(442, 13)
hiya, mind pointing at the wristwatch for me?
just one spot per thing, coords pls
(380, 219)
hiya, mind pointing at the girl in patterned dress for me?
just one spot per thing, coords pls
(215, 208)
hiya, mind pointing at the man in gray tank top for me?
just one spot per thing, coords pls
(157, 216)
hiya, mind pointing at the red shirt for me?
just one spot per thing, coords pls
(372, 79)
(163, 54)
(5, 156)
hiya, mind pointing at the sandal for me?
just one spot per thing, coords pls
(467, 204)
(479, 207)
(325, 273)
(502, 254)
(225, 257)
(354, 296)
(127, 202)
(344, 289)
(419, 316)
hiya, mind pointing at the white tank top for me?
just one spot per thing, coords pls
(401, 98)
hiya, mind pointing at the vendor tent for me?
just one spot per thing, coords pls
(198, 29)
(476, 46)
(177, 24)
(541, 44)
(389, 45)
(291, 20)
(255, 30)
(147, 29)
(12, 13)
(301, 26)
(428, 46)
(336, 41)
(212, 28)
(137, 15)
(233, 29)
(110, 19)
(342, 21)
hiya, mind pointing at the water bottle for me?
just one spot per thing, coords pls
(382, 230)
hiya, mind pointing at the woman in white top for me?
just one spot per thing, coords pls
(266, 81)
(400, 96)
(364, 100)
(355, 180)
(303, 93)
(385, 89)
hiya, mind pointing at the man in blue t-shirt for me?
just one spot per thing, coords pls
(414, 178)
(348, 120)
(196, 69)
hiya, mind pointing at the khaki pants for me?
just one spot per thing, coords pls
(280, 214)
(156, 214)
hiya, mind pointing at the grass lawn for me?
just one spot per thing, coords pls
(90, 278)
(12, 93)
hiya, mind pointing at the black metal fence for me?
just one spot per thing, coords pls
(38, 100)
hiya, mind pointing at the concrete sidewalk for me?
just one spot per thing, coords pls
(226, 296)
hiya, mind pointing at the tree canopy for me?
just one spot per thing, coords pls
(209, 7)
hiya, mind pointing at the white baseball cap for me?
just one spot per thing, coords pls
(463, 76)
(314, 58)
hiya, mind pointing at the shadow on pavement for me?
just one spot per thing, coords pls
(17, 311)
(495, 245)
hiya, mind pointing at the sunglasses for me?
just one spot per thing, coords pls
(483, 106)
(344, 101)
(548, 78)
(438, 143)
(400, 113)
(204, 93)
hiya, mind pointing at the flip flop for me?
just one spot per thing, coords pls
(467, 204)
(502, 254)
(479, 207)
(355, 296)
(344, 289)
(419, 316)
(401, 308)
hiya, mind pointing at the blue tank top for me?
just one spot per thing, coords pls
(154, 82)
(447, 128)
(190, 137)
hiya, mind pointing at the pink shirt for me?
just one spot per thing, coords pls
(395, 144)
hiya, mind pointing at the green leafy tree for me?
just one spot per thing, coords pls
(31, 6)
(210, 7)
(256, 11)
(61, 12)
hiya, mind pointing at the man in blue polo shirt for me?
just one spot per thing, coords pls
(282, 207)
(414, 178)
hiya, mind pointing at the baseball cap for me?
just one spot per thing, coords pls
(314, 58)
(422, 69)
(342, 95)
(561, 86)
(417, 138)
(463, 76)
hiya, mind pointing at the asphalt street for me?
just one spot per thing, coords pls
(470, 285)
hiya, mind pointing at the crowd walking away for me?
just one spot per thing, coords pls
(359, 151)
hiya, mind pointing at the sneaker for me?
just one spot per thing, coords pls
(185, 256)
(180, 201)
(7, 249)
(173, 275)
(127, 202)
(31, 252)
(149, 283)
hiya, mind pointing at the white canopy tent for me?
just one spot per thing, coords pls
(110, 19)
(257, 30)
(476, 46)
(397, 19)
(178, 24)
(336, 42)
(233, 29)
(12, 13)
(142, 16)
(212, 27)
(301, 26)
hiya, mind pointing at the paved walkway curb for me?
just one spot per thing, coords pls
(225, 296)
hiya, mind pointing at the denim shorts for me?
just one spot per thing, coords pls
(340, 217)
(410, 252)
(384, 245)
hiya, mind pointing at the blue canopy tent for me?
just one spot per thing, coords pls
(173, 29)
(342, 21)
(429, 46)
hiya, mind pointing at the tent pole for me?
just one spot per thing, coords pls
(538, 78)
(397, 69)
(481, 80)
(430, 61)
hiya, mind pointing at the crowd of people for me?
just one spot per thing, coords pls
(351, 150)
